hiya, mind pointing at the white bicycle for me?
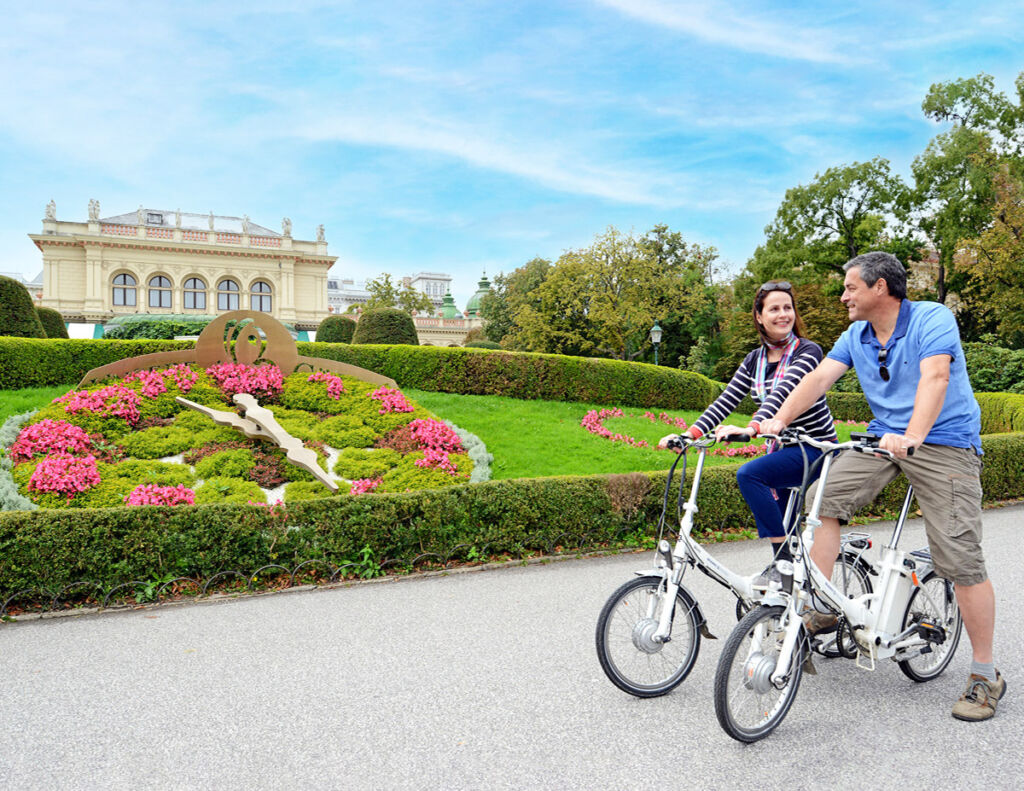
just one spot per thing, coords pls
(649, 631)
(913, 619)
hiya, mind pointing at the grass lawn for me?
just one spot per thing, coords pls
(532, 439)
(529, 439)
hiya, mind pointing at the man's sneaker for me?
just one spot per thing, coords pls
(766, 577)
(819, 622)
(979, 699)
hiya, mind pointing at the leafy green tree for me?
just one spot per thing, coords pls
(385, 325)
(385, 294)
(507, 295)
(602, 300)
(336, 329)
(18, 316)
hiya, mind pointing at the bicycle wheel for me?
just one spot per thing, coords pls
(629, 657)
(851, 575)
(935, 603)
(747, 704)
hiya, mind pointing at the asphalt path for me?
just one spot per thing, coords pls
(484, 680)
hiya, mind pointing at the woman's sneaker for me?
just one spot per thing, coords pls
(766, 577)
(980, 698)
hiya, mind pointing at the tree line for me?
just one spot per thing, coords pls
(957, 223)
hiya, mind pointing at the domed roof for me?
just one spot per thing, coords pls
(483, 288)
(448, 309)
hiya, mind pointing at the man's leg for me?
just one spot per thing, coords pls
(978, 609)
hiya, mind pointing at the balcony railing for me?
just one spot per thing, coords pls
(111, 229)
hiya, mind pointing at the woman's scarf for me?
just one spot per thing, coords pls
(761, 387)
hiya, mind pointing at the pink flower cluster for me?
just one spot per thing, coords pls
(335, 387)
(151, 494)
(391, 400)
(437, 441)
(62, 473)
(48, 436)
(747, 451)
(364, 485)
(668, 420)
(259, 380)
(154, 381)
(593, 422)
(111, 401)
(849, 423)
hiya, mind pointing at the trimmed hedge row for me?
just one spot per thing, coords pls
(53, 549)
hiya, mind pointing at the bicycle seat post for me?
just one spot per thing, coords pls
(897, 531)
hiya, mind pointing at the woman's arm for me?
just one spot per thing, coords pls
(805, 360)
(723, 406)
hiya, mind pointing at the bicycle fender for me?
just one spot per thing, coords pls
(689, 598)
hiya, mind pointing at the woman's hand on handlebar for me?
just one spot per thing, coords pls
(773, 426)
(676, 442)
(727, 433)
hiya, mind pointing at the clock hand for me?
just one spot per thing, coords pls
(235, 421)
(297, 453)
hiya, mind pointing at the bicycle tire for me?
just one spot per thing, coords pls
(925, 667)
(856, 583)
(630, 659)
(742, 678)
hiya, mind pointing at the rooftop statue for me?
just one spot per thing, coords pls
(177, 218)
(286, 226)
(94, 209)
(320, 233)
(51, 210)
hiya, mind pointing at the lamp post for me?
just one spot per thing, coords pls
(655, 339)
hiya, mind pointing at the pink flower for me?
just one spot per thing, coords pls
(593, 422)
(364, 485)
(47, 436)
(111, 401)
(154, 382)
(151, 494)
(62, 473)
(391, 400)
(262, 381)
(335, 387)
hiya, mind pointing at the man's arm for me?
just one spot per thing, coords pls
(931, 394)
(811, 388)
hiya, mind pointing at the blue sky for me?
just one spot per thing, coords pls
(475, 135)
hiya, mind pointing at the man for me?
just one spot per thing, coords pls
(911, 367)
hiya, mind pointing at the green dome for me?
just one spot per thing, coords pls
(483, 288)
(448, 309)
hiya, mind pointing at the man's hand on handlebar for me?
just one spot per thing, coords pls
(898, 444)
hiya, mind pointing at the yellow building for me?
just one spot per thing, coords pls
(170, 262)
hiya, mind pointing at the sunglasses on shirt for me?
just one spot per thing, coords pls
(883, 370)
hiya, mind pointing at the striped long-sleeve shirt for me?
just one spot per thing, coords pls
(816, 421)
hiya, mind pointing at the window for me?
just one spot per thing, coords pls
(159, 292)
(227, 295)
(195, 294)
(259, 297)
(154, 218)
(124, 291)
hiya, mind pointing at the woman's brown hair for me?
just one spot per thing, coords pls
(759, 298)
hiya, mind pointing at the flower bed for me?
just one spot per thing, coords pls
(130, 443)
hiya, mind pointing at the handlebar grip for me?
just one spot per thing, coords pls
(675, 442)
(910, 451)
(738, 438)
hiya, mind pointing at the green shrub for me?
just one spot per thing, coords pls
(155, 327)
(18, 316)
(155, 443)
(226, 464)
(203, 428)
(53, 322)
(311, 490)
(356, 463)
(229, 490)
(160, 473)
(994, 369)
(385, 325)
(477, 344)
(1001, 412)
(849, 406)
(406, 476)
(335, 329)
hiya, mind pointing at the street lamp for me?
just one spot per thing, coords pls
(655, 339)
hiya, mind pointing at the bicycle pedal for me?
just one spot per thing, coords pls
(931, 632)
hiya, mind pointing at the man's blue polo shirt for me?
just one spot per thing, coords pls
(923, 329)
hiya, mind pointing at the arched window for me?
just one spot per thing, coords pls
(259, 297)
(195, 294)
(159, 292)
(227, 295)
(124, 291)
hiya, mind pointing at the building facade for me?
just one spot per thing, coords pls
(171, 262)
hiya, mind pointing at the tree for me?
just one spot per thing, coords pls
(17, 314)
(995, 262)
(507, 295)
(603, 299)
(843, 212)
(385, 294)
(336, 329)
(385, 325)
(954, 177)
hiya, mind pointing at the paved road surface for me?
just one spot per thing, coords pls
(473, 681)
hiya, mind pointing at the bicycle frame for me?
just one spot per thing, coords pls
(872, 617)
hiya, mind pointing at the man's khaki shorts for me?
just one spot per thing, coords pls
(947, 486)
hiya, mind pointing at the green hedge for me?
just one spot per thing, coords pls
(53, 549)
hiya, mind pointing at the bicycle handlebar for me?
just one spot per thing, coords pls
(862, 443)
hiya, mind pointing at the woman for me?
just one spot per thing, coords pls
(769, 373)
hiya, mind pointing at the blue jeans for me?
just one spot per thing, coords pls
(776, 471)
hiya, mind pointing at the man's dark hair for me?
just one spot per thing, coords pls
(877, 264)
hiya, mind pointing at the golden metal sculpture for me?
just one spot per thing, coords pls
(235, 337)
(257, 422)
